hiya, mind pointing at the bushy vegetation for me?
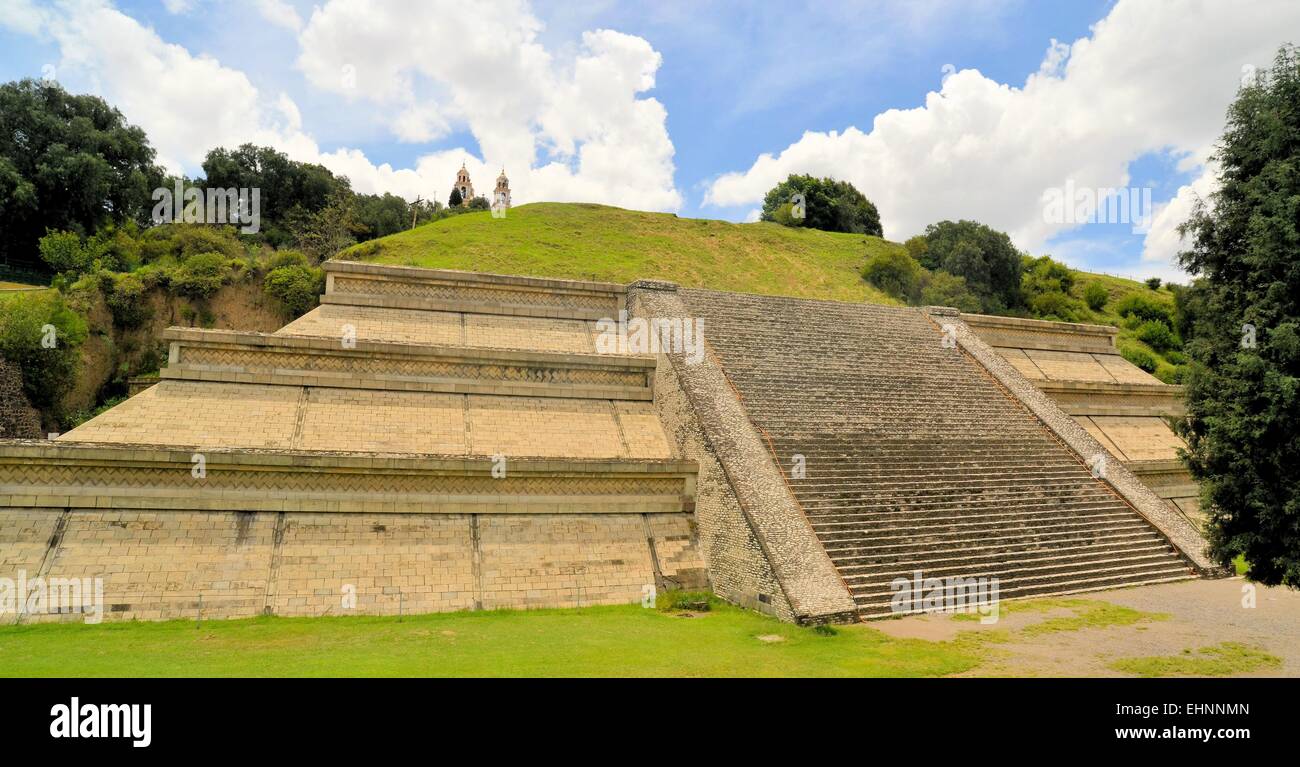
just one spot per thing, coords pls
(41, 335)
(1046, 286)
(896, 273)
(201, 275)
(943, 289)
(293, 282)
(1095, 296)
(125, 296)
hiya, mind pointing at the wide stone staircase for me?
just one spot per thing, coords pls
(906, 456)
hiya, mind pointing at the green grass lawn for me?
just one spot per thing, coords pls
(597, 242)
(598, 641)
(1223, 659)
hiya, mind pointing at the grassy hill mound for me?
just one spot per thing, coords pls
(597, 242)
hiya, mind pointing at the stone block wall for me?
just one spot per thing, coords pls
(159, 565)
(18, 419)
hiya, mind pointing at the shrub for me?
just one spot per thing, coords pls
(154, 276)
(182, 241)
(201, 275)
(1144, 308)
(1153, 283)
(286, 258)
(1170, 374)
(1054, 305)
(1157, 335)
(48, 371)
(894, 272)
(296, 286)
(1044, 275)
(64, 252)
(126, 300)
(1096, 296)
(943, 289)
(1139, 356)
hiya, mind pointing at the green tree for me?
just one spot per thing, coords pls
(455, 199)
(826, 204)
(287, 188)
(324, 233)
(386, 214)
(67, 163)
(984, 257)
(1243, 384)
(65, 253)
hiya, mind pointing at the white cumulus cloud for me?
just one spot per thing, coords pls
(1150, 78)
(577, 129)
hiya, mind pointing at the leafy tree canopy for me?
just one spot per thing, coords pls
(827, 204)
(67, 163)
(983, 256)
(1244, 377)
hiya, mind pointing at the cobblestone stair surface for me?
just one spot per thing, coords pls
(915, 459)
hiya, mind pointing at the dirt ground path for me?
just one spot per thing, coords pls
(1199, 614)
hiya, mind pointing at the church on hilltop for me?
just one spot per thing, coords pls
(463, 190)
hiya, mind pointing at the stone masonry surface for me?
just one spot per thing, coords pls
(293, 517)
(906, 455)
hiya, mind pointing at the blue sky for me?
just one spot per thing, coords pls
(693, 107)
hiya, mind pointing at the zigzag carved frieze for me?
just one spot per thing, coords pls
(452, 292)
(221, 477)
(392, 365)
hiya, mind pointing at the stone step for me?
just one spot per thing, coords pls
(1026, 557)
(364, 284)
(895, 494)
(1045, 539)
(949, 479)
(942, 516)
(915, 456)
(815, 473)
(975, 552)
(881, 585)
(868, 610)
(835, 542)
(970, 526)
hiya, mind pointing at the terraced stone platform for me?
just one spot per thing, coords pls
(422, 441)
(441, 440)
(1122, 406)
(905, 455)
